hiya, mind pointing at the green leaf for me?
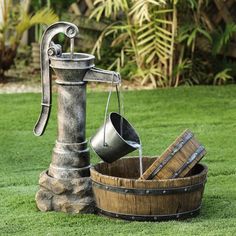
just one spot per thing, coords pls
(164, 21)
(163, 36)
(144, 41)
(163, 11)
(191, 37)
(148, 32)
(205, 33)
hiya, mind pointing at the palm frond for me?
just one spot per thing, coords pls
(154, 42)
(45, 16)
(108, 8)
(222, 77)
(141, 9)
(97, 46)
(145, 36)
(119, 39)
(154, 74)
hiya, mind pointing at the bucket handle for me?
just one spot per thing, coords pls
(107, 106)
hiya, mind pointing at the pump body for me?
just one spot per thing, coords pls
(70, 158)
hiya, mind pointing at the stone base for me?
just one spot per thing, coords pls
(73, 196)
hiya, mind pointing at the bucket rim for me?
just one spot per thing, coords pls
(136, 133)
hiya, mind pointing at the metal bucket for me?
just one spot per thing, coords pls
(115, 139)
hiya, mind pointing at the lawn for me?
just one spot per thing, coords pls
(159, 116)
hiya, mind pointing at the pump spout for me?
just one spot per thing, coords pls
(99, 75)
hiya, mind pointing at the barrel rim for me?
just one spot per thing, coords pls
(93, 171)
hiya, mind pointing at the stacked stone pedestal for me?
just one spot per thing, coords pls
(66, 185)
(72, 196)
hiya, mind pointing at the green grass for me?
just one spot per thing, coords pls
(159, 116)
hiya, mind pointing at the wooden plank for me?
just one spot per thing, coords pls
(221, 14)
(89, 4)
(231, 52)
(90, 7)
(229, 3)
(84, 22)
(208, 21)
(178, 159)
(75, 9)
(223, 11)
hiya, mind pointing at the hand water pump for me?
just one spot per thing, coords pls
(70, 157)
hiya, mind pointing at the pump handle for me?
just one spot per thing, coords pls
(49, 48)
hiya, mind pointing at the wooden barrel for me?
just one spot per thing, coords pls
(119, 193)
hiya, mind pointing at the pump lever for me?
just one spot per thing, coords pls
(48, 48)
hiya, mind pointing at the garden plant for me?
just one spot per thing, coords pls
(15, 21)
(165, 39)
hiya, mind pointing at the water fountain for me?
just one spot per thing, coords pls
(66, 186)
(169, 187)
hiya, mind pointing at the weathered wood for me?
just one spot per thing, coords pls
(75, 9)
(124, 196)
(82, 7)
(223, 11)
(90, 7)
(203, 43)
(89, 4)
(35, 55)
(219, 13)
(208, 21)
(25, 4)
(85, 22)
(178, 159)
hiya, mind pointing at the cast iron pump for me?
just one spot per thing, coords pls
(70, 158)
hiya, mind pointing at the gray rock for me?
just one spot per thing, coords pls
(72, 196)
(82, 187)
(57, 186)
(44, 199)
